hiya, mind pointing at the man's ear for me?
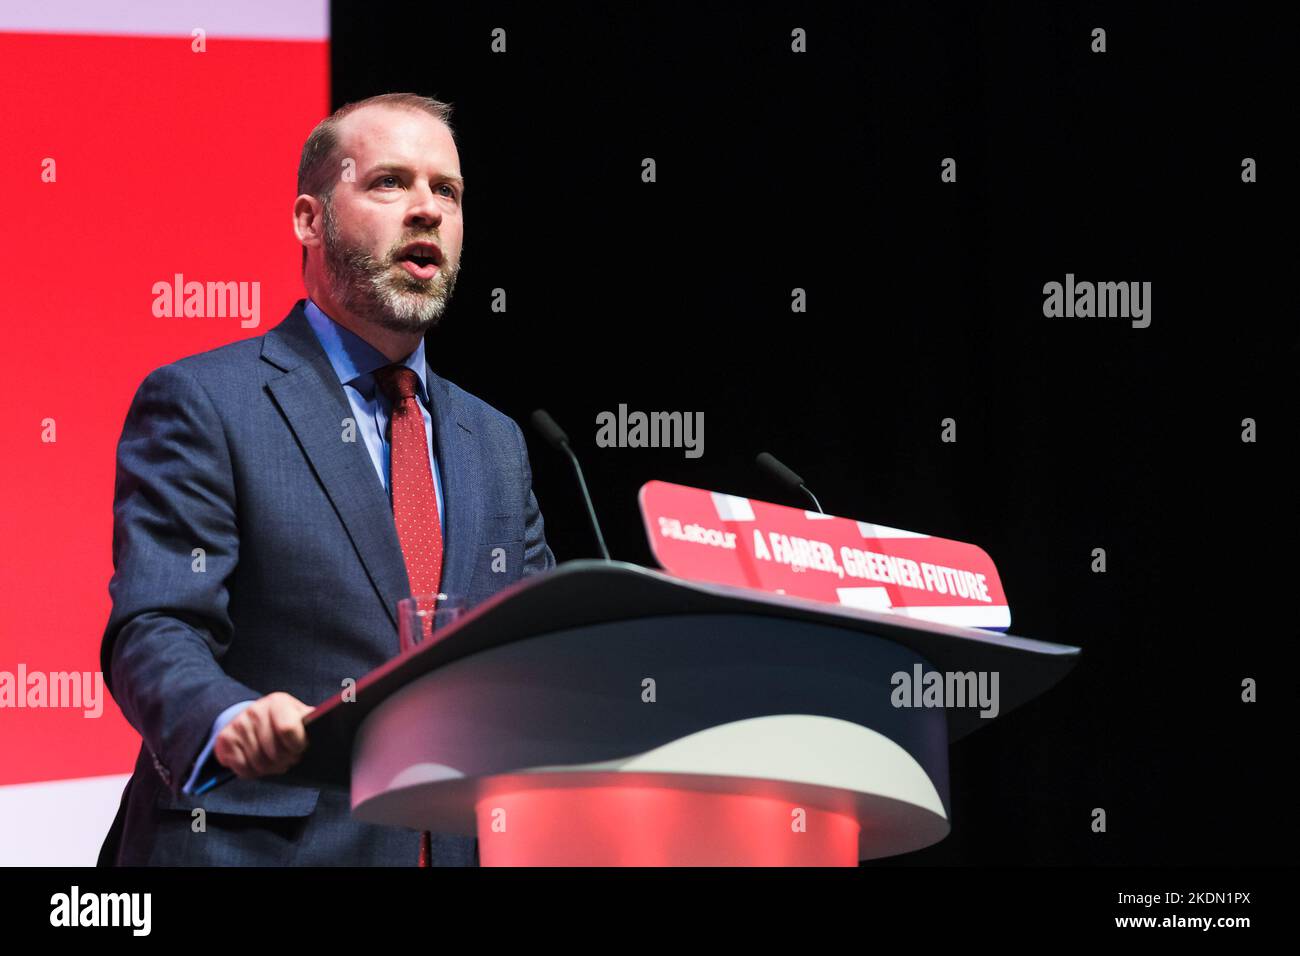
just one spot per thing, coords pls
(309, 220)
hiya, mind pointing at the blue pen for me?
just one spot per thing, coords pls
(225, 775)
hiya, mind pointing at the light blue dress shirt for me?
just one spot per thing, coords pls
(354, 361)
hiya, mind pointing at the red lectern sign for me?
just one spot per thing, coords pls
(708, 536)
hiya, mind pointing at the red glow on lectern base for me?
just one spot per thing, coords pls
(654, 826)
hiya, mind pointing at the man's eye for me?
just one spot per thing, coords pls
(385, 178)
(452, 188)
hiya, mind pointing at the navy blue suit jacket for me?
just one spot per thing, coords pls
(240, 452)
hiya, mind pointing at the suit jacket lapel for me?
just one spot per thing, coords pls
(459, 461)
(314, 404)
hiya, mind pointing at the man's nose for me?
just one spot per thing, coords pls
(424, 208)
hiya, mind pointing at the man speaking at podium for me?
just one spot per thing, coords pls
(277, 496)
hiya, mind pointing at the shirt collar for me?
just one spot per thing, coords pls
(354, 359)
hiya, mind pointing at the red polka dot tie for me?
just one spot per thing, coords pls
(415, 502)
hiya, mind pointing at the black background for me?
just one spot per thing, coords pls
(821, 171)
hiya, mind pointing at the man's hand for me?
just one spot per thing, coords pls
(266, 737)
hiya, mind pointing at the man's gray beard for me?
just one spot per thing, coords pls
(372, 291)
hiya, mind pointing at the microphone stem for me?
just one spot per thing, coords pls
(591, 511)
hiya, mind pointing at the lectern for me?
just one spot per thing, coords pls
(607, 714)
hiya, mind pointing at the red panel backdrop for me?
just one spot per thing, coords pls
(167, 160)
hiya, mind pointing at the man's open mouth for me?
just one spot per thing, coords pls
(421, 259)
(422, 254)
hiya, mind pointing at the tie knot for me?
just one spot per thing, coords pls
(398, 382)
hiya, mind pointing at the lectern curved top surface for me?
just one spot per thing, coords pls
(584, 593)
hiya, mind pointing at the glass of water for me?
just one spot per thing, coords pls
(420, 615)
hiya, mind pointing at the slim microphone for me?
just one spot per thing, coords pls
(785, 476)
(555, 437)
